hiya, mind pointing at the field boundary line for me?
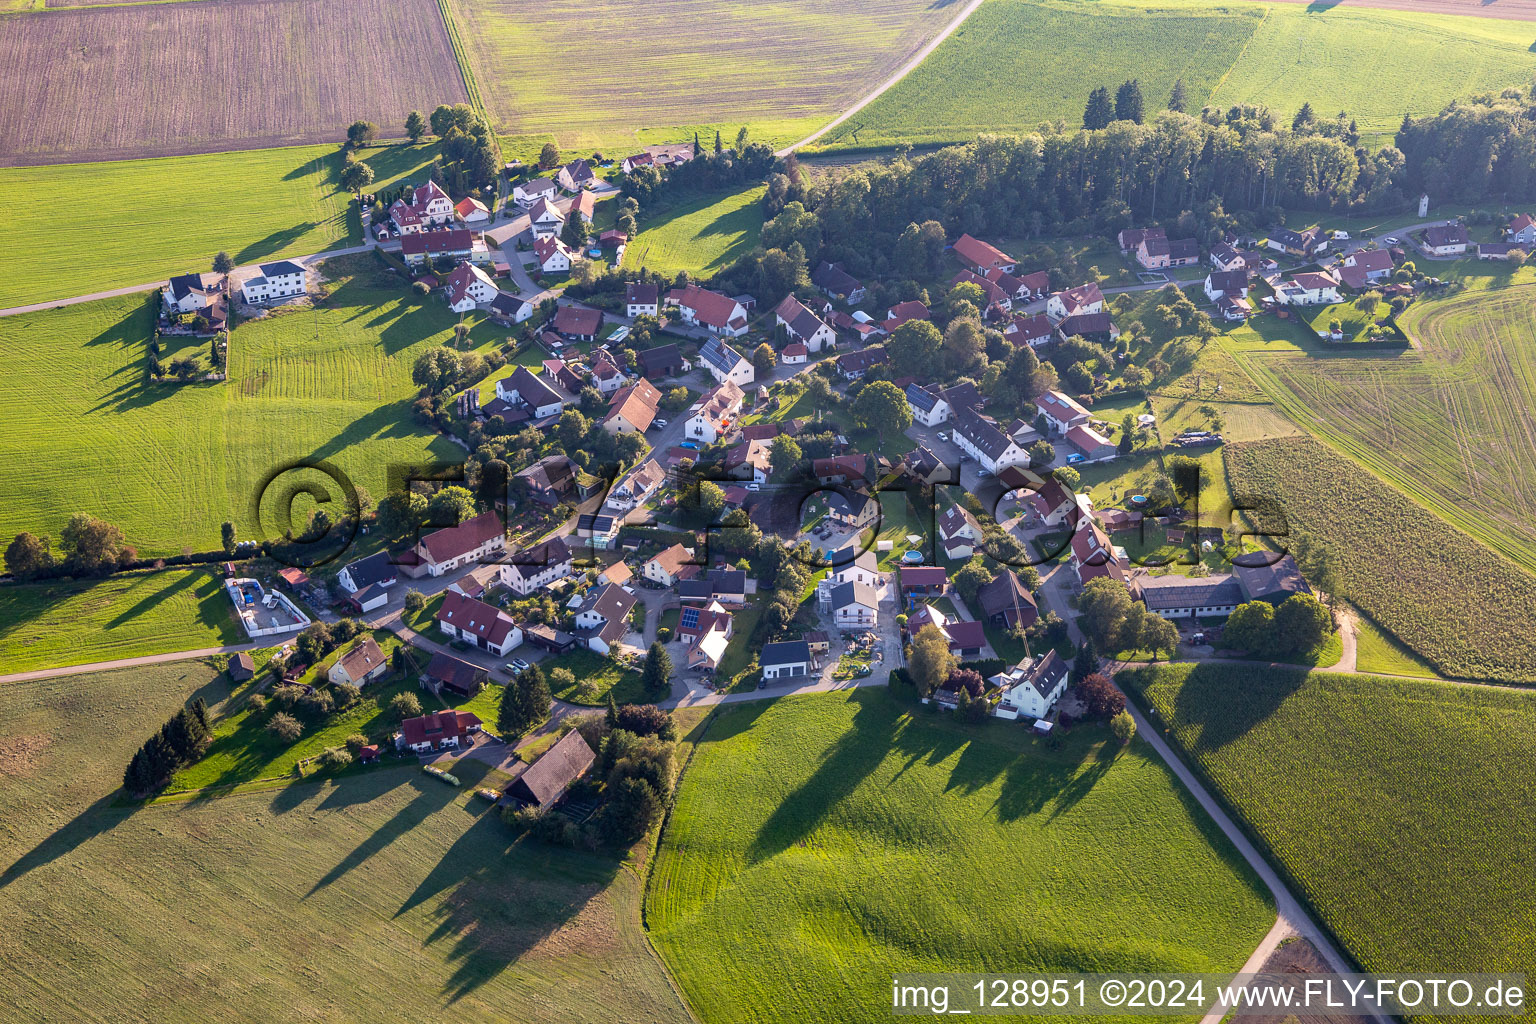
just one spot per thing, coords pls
(1240, 55)
(461, 58)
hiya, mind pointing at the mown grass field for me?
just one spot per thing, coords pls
(136, 221)
(384, 895)
(700, 236)
(122, 81)
(1376, 651)
(1375, 64)
(593, 73)
(1452, 424)
(47, 625)
(1456, 603)
(1399, 808)
(330, 383)
(820, 844)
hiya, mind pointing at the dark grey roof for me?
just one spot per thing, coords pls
(1161, 592)
(854, 593)
(533, 391)
(281, 268)
(720, 355)
(183, 285)
(921, 397)
(963, 396)
(785, 652)
(831, 277)
(376, 568)
(1263, 574)
(981, 432)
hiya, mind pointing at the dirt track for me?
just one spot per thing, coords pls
(1509, 10)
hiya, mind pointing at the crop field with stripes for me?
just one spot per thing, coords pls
(1452, 424)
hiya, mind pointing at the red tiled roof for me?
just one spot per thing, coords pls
(980, 254)
(578, 320)
(444, 545)
(438, 726)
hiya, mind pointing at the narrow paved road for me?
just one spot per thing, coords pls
(902, 72)
(149, 659)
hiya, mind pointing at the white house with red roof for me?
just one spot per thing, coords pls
(426, 206)
(471, 212)
(1085, 298)
(631, 409)
(1061, 412)
(545, 219)
(467, 287)
(1311, 289)
(552, 255)
(900, 313)
(472, 541)
(438, 731)
(983, 256)
(718, 314)
(1033, 331)
(475, 622)
(794, 354)
(540, 566)
(426, 246)
(710, 419)
(1522, 232)
(631, 163)
(606, 377)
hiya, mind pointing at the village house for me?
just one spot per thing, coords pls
(367, 581)
(1094, 446)
(606, 377)
(441, 730)
(725, 363)
(552, 255)
(966, 637)
(1497, 250)
(1061, 412)
(636, 486)
(841, 469)
(431, 246)
(632, 163)
(467, 287)
(993, 296)
(960, 533)
(548, 481)
(982, 256)
(188, 293)
(545, 219)
(1054, 503)
(855, 606)
(1033, 331)
(545, 782)
(1231, 308)
(527, 391)
(1306, 244)
(537, 568)
(1163, 253)
(1032, 687)
(1221, 283)
(280, 280)
(662, 361)
(599, 530)
(1446, 240)
(603, 618)
(1177, 597)
(1094, 327)
(583, 207)
(577, 323)
(695, 623)
(711, 418)
(475, 622)
(718, 314)
(801, 325)
(785, 659)
(527, 193)
(472, 541)
(1092, 554)
(853, 365)
(1310, 289)
(509, 310)
(1085, 298)
(903, 312)
(1131, 239)
(576, 176)
(445, 672)
(1365, 267)
(362, 664)
(426, 206)
(928, 408)
(918, 581)
(1522, 232)
(671, 566)
(727, 586)
(794, 354)
(979, 437)
(847, 567)
(1006, 602)
(641, 299)
(835, 282)
(471, 212)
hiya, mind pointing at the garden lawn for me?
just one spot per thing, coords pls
(66, 622)
(1400, 809)
(842, 841)
(213, 909)
(605, 675)
(701, 236)
(331, 383)
(138, 221)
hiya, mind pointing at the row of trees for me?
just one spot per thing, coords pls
(87, 547)
(180, 741)
(1296, 626)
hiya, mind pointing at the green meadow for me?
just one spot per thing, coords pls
(819, 845)
(67, 622)
(1400, 809)
(169, 463)
(700, 236)
(76, 229)
(1017, 63)
(382, 894)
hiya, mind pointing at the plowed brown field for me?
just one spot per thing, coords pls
(153, 80)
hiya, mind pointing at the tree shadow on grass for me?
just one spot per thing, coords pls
(99, 818)
(276, 241)
(844, 767)
(1226, 702)
(153, 600)
(430, 797)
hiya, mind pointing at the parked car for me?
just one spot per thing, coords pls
(691, 445)
(1074, 459)
(658, 424)
(515, 666)
(943, 435)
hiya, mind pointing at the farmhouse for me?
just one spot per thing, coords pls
(1497, 250)
(1033, 331)
(785, 659)
(960, 532)
(1266, 580)
(578, 323)
(855, 606)
(547, 780)
(1301, 244)
(1130, 239)
(1311, 289)
(801, 325)
(445, 672)
(426, 206)
(1095, 327)
(852, 365)
(1178, 597)
(1006, 602)
(716, 313)
(1085, 298)
(530, 192)
(478, 623)
(837, 283)
(902, 312)
(438, 731)
(538, 567)
(188, 293)
(603, 618)
(431, 246)
(281, 280)
(1366, 267)
(526, 391)
(981, 256)
(979, 437)
(471, 541)
(359, 666)
(1032, 687)
(928, 408)
(709, 420)
(641, 299)
(1161, 253)
(662, 361)
(1061, 412)
(1446, 240)
(725, 363)
(992, 294)
(467, 287)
